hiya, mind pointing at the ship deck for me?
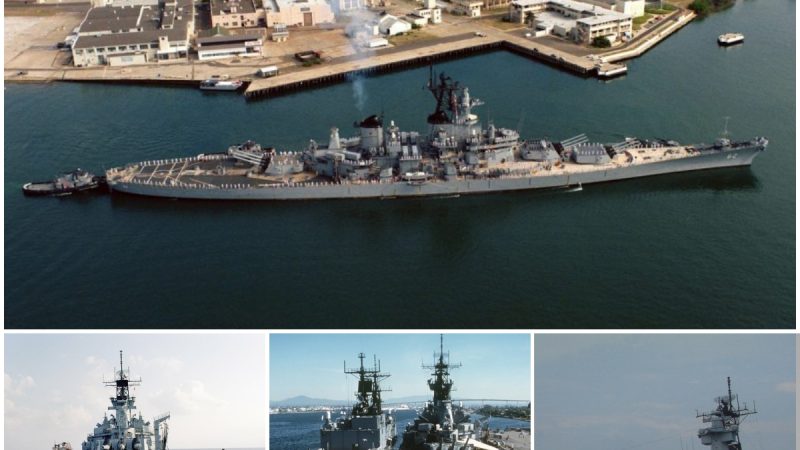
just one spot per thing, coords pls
(222, 171)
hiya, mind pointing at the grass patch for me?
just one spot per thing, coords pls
(415, 36)
(665, 8)
(641, 20)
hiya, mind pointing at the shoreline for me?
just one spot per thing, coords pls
(388, 61)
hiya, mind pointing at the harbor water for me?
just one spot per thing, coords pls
(293, 431)
(711, 249)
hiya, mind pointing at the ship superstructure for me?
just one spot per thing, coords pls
(441, 425)
(126, 429)
(367, 426)
(457, 156)
(724, 420)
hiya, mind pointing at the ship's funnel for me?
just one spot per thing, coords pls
(371, 132)
(333, 144)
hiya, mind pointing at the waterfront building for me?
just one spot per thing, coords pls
(469, 8)
(635, 8)
(124, 35)
(580, 22)
(280, 33)
(430, 11)
(237, 13)
(219, 47)
(391, 25)
(416, 19)
(301, 13)
(340, 6)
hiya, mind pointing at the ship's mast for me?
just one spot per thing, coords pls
(122, 403)
(723, 433)
(440, 382)
(369, 389)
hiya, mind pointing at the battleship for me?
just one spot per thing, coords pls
(125, 430)
(442, 425)
(724, 420)
(367, 427)
(457, 156)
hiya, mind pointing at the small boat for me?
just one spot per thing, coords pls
(577, 188)
(730, 38)
(416, 178)
(75, 181)
(213, 84)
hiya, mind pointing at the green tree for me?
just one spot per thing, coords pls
(701, 7)
(601, 42)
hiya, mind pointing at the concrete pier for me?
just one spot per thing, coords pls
(387, 60)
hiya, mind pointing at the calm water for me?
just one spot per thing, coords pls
(300, 431)
(712, 249)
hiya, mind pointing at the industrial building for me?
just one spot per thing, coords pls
(577, 21)
(302, 13)
(430, 11)
(237, 13)
(124, 35)
(469, 8)
(391, 25)
(218, 47)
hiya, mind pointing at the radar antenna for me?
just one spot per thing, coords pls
(725, 420)
(369, 389)
(122, 381)
(440, 383)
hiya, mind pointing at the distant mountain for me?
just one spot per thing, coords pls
(303, 401)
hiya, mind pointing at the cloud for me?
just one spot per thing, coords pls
(192, 397)
(17, 387)
(786, 386)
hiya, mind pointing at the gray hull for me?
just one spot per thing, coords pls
(313, 191)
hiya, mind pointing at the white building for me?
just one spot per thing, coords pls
(219, 47)
(469, 8)
(634, 8)
(302, 13)
(134, 34)
(391, 25)
(574, 20)
(340, 6)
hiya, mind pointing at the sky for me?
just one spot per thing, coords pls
(496, 366)
(212, 384)
(626, 392)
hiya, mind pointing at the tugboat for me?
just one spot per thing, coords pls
(723, 433)
(75, 181)
(367, 427)
(442, 425)
(214, 84)
(730, 39)
(124, 430)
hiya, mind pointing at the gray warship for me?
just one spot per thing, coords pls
(442, 425)
(724, 420)
(125, 430)
(457, 156)
(367, 427)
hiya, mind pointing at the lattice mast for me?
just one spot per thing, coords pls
(369, 389)
(723, 433)
(440, 382)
